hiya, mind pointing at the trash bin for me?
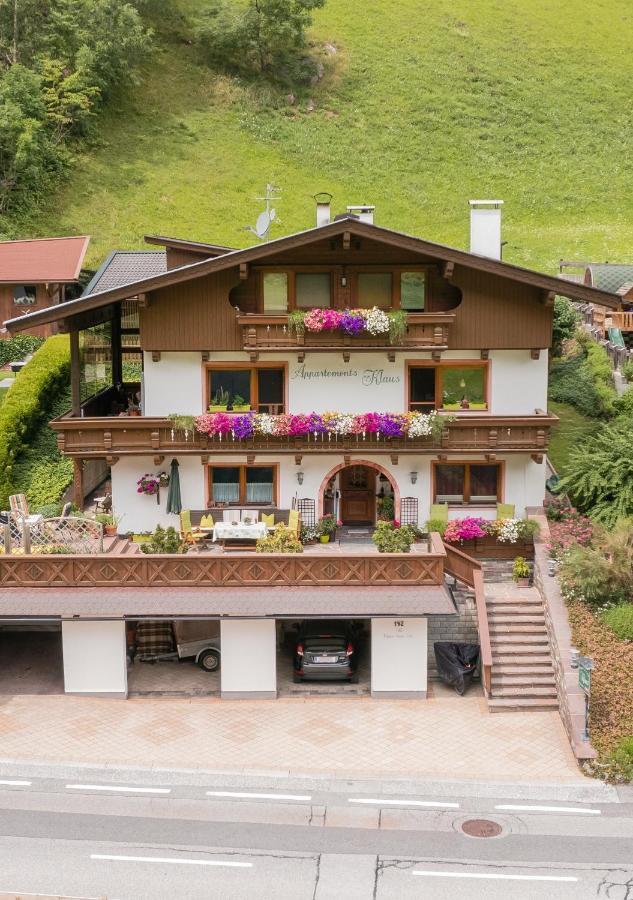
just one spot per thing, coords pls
(456, 663)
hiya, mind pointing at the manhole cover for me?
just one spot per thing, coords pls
(481, 828)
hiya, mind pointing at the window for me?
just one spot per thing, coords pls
(95, 360)
(25, 294)
(312, 289)
(373, 289)
(447, 387)
(412, 289)
(275, 290)
(241, 485)
(467, 483)
(260, 389)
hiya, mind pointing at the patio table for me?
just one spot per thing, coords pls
(225, 531)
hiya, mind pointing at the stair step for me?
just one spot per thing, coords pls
(502, 628)
(524, 692)
(516, 615)
(521, 667)
(516, 704)
(525, 679)
(531, 661)
(513, 600)
(510, 639)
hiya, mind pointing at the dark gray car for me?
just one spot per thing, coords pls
(326, 650)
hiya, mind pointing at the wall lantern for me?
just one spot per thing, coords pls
(343, 281)
(413, 476)
(300, 477)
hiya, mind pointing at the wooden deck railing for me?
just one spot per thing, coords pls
(224, 570)
(145, 435)
(621, 320)
(269, 334)
(469, 571)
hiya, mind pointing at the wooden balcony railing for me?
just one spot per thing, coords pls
(621, 320)
(144, 435)
(270, 334)
(229, 570)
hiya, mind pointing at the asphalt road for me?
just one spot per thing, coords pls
(118, 839)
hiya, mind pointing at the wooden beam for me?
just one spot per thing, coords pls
(436, 355)
(448, 269)
(535, 353)
(205, 356)
(112, 460)
(250, 459)
(75, 388)
(347, 240)
(298, 458)
(159, 460)
(547, 298)
(484, 354)
(243, 271)
(537, 458)
(204, 459)
(394, 459)
(253, 355)
(155, 355)
(491, 457)
(347, 459)
(117, 350)
(301, 356)
(346, 356)
(143, 301)
(391, 356)
(442, 457)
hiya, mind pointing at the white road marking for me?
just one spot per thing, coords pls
(569, 809)
(495, 876)
(173, 861)
(17, 784)
(431, 803)
(112, 787)
(253, 796)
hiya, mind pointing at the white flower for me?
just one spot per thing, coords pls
(377, 322)
(265, 423)
(343, 424)
(509, 531)
(421, 425)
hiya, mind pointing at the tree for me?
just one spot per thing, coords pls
(267, 37)
(599, 474)
(565, 322)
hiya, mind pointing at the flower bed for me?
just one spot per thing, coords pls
(497, 539)
(566, 527)
(353, 322)
(389, 425)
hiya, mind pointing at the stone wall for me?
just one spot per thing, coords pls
(462, 627)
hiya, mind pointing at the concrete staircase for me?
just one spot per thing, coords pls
(522, 671)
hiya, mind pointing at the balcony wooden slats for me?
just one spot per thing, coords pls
(270, 334)
(135, 436)
(223, 570)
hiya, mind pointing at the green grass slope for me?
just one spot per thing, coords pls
(429, 103)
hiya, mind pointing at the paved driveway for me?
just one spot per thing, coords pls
(445, 737)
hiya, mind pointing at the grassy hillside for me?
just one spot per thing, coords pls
(429, 103)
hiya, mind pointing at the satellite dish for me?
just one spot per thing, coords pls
(265, 218)
(263, 224)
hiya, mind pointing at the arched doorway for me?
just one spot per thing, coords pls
(357, 485)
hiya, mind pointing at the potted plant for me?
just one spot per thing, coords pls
(327, 527)
(109, 522)
(391, 538)
(239, 404)
(220, 401)
(521, 572)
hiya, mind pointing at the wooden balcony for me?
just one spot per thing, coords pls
(111, 438)
(227, 570)
(270, 334)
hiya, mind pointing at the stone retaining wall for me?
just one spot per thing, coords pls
(462, 627)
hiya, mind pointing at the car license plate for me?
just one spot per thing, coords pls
(325, 659)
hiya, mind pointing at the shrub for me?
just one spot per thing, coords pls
(281, 540)
(565, 323)
(18, 347)
(620, 620)
(568, 531)
(627, 370)
(27, 402)
(386, 508)
(391, 539)
(624, 403)
(163, 541)
(49, 510)
(326, 525)
(585, 380)
(308, 534)
(520, 568)
(600, 575)
(438, 525)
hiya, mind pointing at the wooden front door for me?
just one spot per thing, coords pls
(358, 495)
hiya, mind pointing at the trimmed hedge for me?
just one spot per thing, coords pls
(27, 403)
(18, 347)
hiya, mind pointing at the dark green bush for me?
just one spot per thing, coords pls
(27, 404)
(18, 347)
(565, 323)
(620, 620)
(585, 381)
(624, 403)
(164, 541)
(627, 370)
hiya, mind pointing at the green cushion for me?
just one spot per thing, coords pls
(268, 519)
(185, 521)
(293, 519)
(439, 512)
(505, 510)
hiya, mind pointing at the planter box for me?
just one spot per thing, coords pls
(489, 548)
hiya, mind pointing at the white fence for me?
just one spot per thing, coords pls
(53, 536)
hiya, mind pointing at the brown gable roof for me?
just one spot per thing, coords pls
(42, 260)
(206, 250)
(547, 283)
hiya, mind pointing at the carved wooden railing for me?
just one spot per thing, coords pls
(145, 435)
(224, 570)
(469, 571)
(621, 320)
(269, 334)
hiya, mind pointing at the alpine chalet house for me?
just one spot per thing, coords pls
(343, 370)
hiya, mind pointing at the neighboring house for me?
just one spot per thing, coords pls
(616, 278)
(36, 274)
(218, 322)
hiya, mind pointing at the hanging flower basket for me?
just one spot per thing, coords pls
(149, 485)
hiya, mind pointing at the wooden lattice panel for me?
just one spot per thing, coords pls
(409, 511)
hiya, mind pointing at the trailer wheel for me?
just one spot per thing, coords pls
(209, 660)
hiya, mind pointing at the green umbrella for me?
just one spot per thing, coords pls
(174, 502)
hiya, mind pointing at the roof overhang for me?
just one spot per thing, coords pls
(236, 603)
(200, 247)
(548, 284)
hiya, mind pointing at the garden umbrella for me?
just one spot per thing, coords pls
(174, 503)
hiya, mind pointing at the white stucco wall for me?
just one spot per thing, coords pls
(95, 660)
(398, 656)
(249, 657)
(173, 384)
(140, 512)
(324, 381)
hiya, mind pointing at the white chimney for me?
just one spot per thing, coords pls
(364, 213)
(485, 228)
(323, 215)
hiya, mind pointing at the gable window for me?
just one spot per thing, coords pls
(312, 289)
(374, 289)
(477, 483)
(259, 389)
(412, 290)
(448, 387)
(275, 292)
(241, 485)
(25, 294)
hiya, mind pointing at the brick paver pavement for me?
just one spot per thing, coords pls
(445, 737)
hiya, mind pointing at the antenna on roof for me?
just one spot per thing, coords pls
(267, 217)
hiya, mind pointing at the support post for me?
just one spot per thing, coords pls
(117, 350)
(78, 482)
(75, 389)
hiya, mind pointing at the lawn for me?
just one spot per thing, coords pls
(426, 103)
(570, 431)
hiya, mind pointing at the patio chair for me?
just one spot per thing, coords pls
(20, 511)
(505, 510)
(439, 512)
(103, 504)
(189, 533)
